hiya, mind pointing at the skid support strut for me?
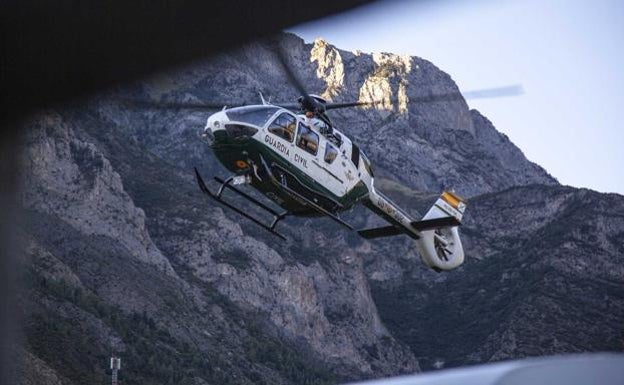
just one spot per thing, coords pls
(227, 184)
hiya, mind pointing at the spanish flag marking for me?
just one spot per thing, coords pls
(452, 199)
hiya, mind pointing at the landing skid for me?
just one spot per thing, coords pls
(227, 184)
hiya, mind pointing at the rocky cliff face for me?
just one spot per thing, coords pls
(123, 253)
(199, 283)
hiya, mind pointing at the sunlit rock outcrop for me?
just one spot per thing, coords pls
(330, 67)
(387, 85)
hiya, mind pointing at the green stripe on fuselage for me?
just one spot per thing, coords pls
(228, 151)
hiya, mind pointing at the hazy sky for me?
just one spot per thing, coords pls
(568, 55)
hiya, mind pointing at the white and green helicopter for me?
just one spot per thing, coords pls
(309, 168)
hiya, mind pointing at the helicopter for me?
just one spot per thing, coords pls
(294, 155)
(305, 165)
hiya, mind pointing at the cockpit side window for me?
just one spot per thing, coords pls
(330, 153)
(284, 127)
(307, 139)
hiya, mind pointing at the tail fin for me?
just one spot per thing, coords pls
(448, 204)
(439, 246)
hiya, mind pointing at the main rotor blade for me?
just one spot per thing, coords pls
(513, 90)
(308, 103)
(288, 106)
(328, 106)
(333, 106)
(292, 78)
(191, 105)
(498, 92)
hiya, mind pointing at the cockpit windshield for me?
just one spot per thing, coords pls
(256, 115)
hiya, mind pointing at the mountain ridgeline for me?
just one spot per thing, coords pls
(123, 254)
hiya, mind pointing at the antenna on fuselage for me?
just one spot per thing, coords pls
(262, 99)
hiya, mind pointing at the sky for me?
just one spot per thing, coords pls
(567, 55)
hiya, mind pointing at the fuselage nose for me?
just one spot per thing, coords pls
(216, 122)
(222, 128)
(215, 126)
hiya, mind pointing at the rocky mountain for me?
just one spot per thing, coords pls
(123, 254)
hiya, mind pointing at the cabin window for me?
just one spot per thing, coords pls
(284, 127)
(330, 153)
(307, 139)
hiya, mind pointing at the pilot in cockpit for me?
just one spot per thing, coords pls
(309, 118)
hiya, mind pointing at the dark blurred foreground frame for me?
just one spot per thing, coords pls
(57, 51)
(573, 369)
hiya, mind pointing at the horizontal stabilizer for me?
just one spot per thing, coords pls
(431, 224)
(379, 232)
